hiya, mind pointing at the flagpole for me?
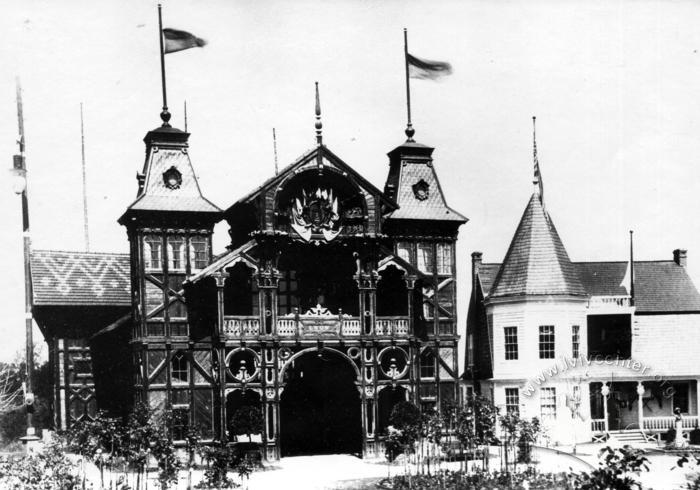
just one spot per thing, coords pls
(85, 203)
(165, 115)
(631, 268)
(274, 144)
(409, 127)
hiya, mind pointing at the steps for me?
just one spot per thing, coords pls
(631, 437)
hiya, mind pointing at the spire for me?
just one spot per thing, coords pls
(319, 124)
(319, 133)
(536, 262)
(537, 177)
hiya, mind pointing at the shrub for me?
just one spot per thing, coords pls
(48, 468)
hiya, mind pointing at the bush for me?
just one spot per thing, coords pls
(695, 436)
(48, 468)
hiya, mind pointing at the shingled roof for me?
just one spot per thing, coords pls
(80, 278)
(536, 262)
(412, 169)
(660, 286)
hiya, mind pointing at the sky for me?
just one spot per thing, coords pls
(615, 86)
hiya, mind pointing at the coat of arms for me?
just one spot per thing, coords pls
(316, 212)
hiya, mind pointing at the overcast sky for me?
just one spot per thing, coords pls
(615, 86)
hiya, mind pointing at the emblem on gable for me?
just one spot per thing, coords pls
(316, 213)
(172, 178)
(421, 190)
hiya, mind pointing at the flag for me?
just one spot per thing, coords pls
(538, 174)
(176, 40)
(427, 69)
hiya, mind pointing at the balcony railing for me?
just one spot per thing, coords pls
(314, 325)
(622, 301)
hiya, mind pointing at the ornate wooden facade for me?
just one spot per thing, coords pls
(334, 300)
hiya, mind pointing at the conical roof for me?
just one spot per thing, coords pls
(536, 262)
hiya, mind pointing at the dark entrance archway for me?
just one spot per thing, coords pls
(320, 406)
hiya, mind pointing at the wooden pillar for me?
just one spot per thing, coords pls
(605, 391)
(219, 337)
(640, 404)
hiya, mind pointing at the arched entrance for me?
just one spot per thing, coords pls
(320, 406)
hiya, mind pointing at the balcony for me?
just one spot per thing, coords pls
(314, 325)
(609, 302)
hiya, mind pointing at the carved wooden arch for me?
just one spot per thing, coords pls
(315, 349)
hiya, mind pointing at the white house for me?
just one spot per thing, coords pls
(583, 345)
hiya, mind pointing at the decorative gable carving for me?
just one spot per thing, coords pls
(172, 178)
(421, 190)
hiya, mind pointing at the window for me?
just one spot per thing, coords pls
(403, 250)
(152, 252)
(427, 364)
(176, 253)
(512, 401)
(546, 341)
(444, 258)
(180, 422)
(425, 257)
(548, 403)
(178, 369)
(511, 343)
(575, 341)
(199, 253)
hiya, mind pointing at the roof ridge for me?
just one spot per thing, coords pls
(82, 252)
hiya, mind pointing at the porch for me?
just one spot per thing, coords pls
(615, 406)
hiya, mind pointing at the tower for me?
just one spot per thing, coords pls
(169, 227)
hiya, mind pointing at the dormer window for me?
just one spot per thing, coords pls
(421, 190)
(172, 178)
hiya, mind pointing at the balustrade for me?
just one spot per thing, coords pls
(315, 325)
(669, 422)
(598, 425)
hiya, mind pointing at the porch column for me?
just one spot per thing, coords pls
(697, 399)
(640, 404)
(219, 367)
(605, 391)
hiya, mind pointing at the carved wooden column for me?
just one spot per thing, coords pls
(268, 283)
(218, 343)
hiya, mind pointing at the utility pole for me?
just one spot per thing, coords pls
(20, 187)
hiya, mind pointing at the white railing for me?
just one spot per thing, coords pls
(669, 422)
(622, 301)
(598, 425)
(396, 326)
(286, 327)
(352, 327)
(246, 326)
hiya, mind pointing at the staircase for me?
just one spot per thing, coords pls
(629, 437)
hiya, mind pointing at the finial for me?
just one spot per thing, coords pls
(165, 117)
(410, 132)
(319, 124)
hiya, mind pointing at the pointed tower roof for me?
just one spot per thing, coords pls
(536, 262)
(168, 182)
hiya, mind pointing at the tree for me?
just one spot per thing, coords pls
(10, 391)
(475, 424)
(617, 471)
(247, 420)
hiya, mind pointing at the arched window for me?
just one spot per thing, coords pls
(199, 253)
(179, 369)
(176, 253)
(152, 252)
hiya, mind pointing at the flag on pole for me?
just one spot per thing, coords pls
(176, 40)
(427, 69)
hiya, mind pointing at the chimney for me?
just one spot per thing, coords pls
(476, 263)
(680, 256)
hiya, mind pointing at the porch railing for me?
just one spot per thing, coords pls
(313, 325)
(669, 422)
(622, 301)
(598, 425)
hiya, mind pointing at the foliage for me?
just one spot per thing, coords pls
(617, 470)
(43, 470)
(404, 429)
(246, 420)
(476, 422)
(13, 423)
(10, 390)
(520, 432)
(459, 480)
